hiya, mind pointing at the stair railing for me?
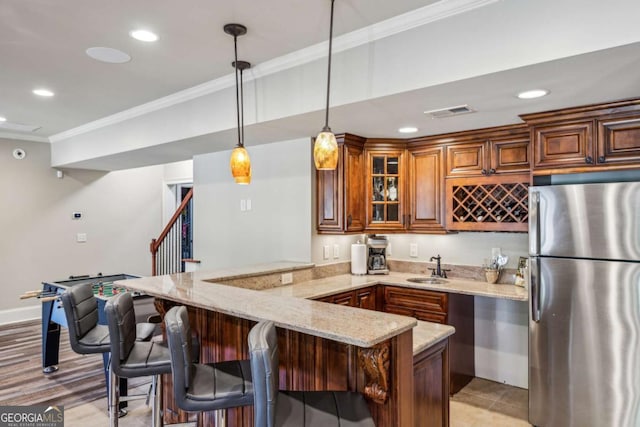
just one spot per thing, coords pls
(166, 250)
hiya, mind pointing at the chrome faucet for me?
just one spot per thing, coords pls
(438, 271)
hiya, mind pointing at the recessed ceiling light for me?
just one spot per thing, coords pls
(43, 92)
(535, 93)
(143, 35)
(3, 119)
(408, 129)
(108, 54)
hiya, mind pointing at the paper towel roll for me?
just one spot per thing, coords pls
(358, 258)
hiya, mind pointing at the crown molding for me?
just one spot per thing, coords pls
(23, 137)
(398, 24)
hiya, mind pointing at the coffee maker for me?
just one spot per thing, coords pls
(377, 255)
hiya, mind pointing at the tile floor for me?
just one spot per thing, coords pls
(481, 403)
(484, 403)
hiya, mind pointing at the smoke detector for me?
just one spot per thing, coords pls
(449, 111)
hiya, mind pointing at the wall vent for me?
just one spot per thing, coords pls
(449, 111)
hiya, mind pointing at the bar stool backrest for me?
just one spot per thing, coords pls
(180, 345)
(121, 318)
(81, 311)
(263, 351)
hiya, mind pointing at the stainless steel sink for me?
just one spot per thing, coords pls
(427, 280)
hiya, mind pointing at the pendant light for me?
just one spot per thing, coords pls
(239, 163)
(325, 149)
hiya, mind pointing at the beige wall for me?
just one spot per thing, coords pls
(121, 212)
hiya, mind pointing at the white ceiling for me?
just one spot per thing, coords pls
(42, 43)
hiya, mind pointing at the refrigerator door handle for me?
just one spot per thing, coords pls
(535, 289)
(534, 223)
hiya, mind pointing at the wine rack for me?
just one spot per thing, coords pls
(488, 204)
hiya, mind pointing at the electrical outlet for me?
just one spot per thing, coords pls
(248, 204)
(325, 252)
(81, 237)
(388, 248)
(413, 250)
(336, 251)
(243, 205)
(286, 278)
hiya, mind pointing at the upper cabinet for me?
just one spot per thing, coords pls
(487, 151)
(426, 207)
(385, 185)
(339, 192)
(584, 139)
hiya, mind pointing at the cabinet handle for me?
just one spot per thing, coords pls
(588, 160)
(484, 171)
(602, 159)
(492, 170)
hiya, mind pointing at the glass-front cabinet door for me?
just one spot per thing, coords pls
(386, 191)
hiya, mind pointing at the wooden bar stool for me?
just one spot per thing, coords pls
(275, 408)
(204, 387)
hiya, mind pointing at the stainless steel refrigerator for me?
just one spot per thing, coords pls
(584, 307)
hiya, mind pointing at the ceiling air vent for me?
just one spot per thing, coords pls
(19, 127)
(450, 111)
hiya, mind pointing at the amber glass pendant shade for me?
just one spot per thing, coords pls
(325, 151)
(240, 165)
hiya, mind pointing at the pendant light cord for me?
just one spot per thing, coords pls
(241, 107)
(326, 117)
(235, 47)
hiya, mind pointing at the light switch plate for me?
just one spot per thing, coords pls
(243, 205)
(81, 237)
(248, 204)
(336, 251)
(413, 250)
(325, 252)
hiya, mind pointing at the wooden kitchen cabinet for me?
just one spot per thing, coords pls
(563, 145)
(426, 189)
(618, 140)
(361, 298)
(340, 200)
(493, 203)
(385, 185)
(592, 138)
(488, 151)
(441, 307)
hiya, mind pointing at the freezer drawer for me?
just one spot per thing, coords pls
(584, 347)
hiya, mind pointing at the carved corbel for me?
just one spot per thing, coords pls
(375, 362)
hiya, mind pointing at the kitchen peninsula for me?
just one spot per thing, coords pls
(393, 359)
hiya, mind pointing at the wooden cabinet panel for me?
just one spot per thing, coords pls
(416, 299)
(339, 192)
(619, 140)
(366, 298)
(431, 388)
(426, 189)
(563, 145)
(466, 159)
(510, 155)
(354, 188)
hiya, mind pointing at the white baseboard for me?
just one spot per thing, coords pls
(21, 314)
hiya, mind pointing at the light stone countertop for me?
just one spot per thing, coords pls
(249, 271)
(426, 334)
(363, 328)
(319, 288)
